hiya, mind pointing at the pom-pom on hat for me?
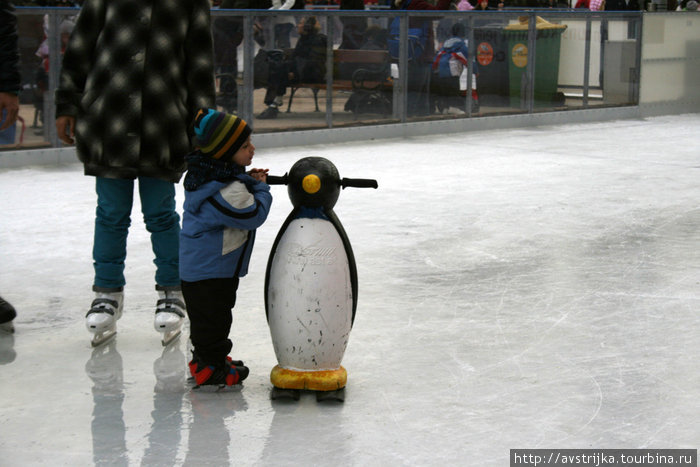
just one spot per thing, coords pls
(219, 135)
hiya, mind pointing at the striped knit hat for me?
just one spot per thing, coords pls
(219, 135)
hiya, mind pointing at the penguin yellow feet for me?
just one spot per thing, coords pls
(328, 384)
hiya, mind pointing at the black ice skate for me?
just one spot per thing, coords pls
(220, 376)
(7, 314)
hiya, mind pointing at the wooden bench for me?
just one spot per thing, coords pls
(371, 74)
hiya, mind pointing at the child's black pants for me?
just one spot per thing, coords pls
(209, 305)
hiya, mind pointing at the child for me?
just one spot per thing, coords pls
(449, 65)
(223, 207)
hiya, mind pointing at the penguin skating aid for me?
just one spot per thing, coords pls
(311, 284)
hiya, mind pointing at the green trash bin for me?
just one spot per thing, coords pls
(548, 45)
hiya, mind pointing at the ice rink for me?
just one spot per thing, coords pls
(525, 288)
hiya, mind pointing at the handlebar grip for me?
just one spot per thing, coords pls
(358, 183)
(277, 180)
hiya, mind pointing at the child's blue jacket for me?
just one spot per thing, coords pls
(218, 227)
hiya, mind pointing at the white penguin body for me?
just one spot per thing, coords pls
(310, 296)
(311, 284)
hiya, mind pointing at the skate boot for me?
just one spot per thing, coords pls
(7, 314)
(170, 313)
(195, 360)
(102, 318)
(226, 374)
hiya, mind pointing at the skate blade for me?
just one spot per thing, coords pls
(169, 337)
(101, 338)
(7, 327)
(217, 388)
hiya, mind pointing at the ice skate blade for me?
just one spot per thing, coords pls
(101, 338)
(169, 337)
(217, 388)
(212, 387)
(7, 327)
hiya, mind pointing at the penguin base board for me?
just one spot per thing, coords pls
(324, 380)
(337, 395)
(295, 394)
(281, 393)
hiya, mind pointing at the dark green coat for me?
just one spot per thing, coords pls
(134, 74)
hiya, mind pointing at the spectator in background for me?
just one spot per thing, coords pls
(622, 5)
(227, 34)
(284, 25)
(307, 65)
(354, 27)
(419, 70)
(9, 104)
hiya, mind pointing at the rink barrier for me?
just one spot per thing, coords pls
(61, 156)
(664, 55)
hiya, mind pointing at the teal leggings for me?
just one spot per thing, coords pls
(114, 202)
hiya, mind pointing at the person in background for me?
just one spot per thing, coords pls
(622, 5)
(9, 105)
(354, 27)
(284, 25)
(419, 70)
(307, 65)
(134, 74)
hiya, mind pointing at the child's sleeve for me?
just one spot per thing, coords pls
(236, 206)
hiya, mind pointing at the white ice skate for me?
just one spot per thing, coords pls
(102, 318)
(170, 314)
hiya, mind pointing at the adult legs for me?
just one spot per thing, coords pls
(112, 221)
(163, 223)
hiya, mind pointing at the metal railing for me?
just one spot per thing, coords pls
(583, 66)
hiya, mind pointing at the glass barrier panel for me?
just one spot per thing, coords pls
(581, 60)
(671, 58)
(292, 96)
(30, 131)
(362, 91)
(619, 65)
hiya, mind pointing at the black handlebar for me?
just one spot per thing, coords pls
(277, 180)
(358, 183)
(344, 183)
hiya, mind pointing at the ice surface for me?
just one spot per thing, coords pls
(527, 288)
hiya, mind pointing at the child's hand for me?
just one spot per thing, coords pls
(259, 174)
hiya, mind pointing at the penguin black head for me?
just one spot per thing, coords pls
(313, 182)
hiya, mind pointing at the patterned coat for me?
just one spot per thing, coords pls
(9, 55)
(134, 74)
